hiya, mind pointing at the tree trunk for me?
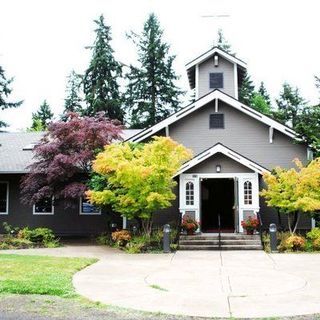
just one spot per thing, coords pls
(280, 220)
(297, 218)
(289, 222)
(147, 226)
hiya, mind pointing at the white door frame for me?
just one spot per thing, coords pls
(196, 179)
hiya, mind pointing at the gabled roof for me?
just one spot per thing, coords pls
(211, 52)
(211, 96)
(16, 149)
(220, 148)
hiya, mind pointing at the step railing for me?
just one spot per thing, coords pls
(219, 230)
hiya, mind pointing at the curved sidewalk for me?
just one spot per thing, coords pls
(207, 284)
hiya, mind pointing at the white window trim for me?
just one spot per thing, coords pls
(251, 193)
(7, 204)
(86, 213)
(43, 213)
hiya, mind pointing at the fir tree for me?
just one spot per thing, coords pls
(290, 105)
(246, 90)
(260, 103)
(5, 91)
(42, 117)
(151, 93)
(223, 44)
(72, 102)
(100, 82)
(264, 93)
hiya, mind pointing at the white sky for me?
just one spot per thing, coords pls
(41, 41)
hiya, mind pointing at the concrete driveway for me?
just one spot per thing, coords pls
(207, 284)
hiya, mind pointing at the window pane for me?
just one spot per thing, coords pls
(44, 206)
(216, 121)
(216, 80)
(87, 207)
(3, 197)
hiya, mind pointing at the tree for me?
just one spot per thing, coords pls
(223, 44)
(42, 117)
(264, 93)
(136, 179)
(259, 103)
(63, 158)
(151, 94)
(246, 90)
(100, 81)
(292, 191)
(308, 126)
(290, 105)
(72, 102)
(5, 91)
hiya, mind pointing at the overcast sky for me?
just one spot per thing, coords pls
(41, 41)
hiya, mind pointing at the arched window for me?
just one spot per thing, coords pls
(247, 192)
(189, 193)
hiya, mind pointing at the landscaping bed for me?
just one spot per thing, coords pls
(25, 238)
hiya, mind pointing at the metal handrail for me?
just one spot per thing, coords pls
(219, 229)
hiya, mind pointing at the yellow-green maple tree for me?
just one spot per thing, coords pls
(137, 179)
(294, 190)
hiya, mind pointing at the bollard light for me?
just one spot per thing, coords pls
(134, 230)
(273, 237)
(166, 238)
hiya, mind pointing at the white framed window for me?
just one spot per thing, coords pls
(189, 193)
(247, 192)
(44, 207)
(86, 208)
(4, 197)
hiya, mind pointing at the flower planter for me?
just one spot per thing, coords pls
(190, 232)
(249, 232)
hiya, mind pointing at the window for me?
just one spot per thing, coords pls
(4, 197)
(44, 207)
(216, 121)
(216, 80)
(86, 208)
(247, 192)
(189, 193)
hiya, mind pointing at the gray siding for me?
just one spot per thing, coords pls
(242, 134)
(225, 67)
(227, 165)
(63, 222)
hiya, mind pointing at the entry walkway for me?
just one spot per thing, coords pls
(207, 284)
(198, 283)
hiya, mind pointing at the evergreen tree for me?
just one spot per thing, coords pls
(264, 93)
(42, 117)
(151, 93)
(223, 44)
(290, 105)
(5, 91)
(246, 90)
(100, 82)
(72, 102)
(259, 103)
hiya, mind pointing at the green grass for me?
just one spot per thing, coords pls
(155, 286)
(39, 275)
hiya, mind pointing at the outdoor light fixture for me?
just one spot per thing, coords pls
(218, 168)
(166, 238)
(216, 60)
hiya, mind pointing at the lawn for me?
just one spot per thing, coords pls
(39, 275)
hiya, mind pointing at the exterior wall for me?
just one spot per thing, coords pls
(227, 165)
(242, 134)
(207, 67)
(62, 222)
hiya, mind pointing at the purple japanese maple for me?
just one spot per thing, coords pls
(64, 155)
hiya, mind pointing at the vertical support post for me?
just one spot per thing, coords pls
(271, 134)
(197, 83)
(216, 105)
(124, 222)
(235, 80)
(167, 131)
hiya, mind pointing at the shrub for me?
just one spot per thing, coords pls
(314, 234)
(15, 243)
(9, 229)
(104, 239)
(292, 243)
(316, 244)
(121, 237)
(266, 242)
(37, 235)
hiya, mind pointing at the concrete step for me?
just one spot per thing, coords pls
(223, 237)
(223, 242)
(216, 247)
